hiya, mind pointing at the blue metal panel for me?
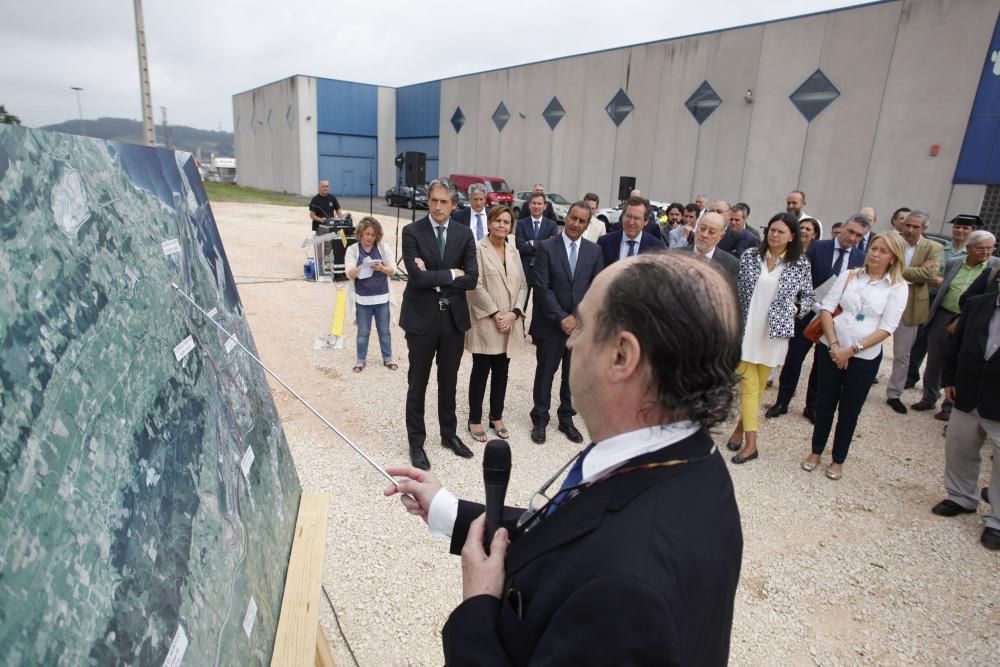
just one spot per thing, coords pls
(346, 108)
(418, 110)
(347, 146)
(428, 145)
(348, 176)
(978, 162)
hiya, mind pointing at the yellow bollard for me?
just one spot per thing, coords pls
(339, 314)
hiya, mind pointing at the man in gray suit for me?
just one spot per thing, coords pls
(958, 275)
(710, 230)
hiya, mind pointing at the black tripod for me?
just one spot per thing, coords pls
(400, 266)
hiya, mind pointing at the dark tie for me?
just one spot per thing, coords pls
(538, 223)
(839, 264)
(631, 248)
(479, 226)
(861, 245)
(440, 233)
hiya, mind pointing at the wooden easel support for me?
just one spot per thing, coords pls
(300, 640)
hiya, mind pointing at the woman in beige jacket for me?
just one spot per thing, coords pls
(496, 308)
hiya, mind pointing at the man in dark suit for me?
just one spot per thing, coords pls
(530, 232)
(440, 259)
(474, 217)
(971, 379)
(547, 212)
(707, 235)
(565, 265)
(737, 238)
(828, 259)
(636, 558)
(632, 238)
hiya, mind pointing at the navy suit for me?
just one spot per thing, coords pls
(557, 294)
(525, 232)
(611, 245)
(463, 216)
(640, 569)
(821, 256)
(736, 243)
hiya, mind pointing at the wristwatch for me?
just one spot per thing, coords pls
(857, 347)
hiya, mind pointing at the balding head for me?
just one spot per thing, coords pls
(710, 230)
(869, 213)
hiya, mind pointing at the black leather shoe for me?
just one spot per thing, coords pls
(418, 458)
(538, 433)
(990, 539)
(808, 414)
(453, 443)
(948, 507)
(985, 494)
(739, 459)
(943, 415)
(923, 405)
(776, 410)
(897, 405)
(567, 429)
(910, 384)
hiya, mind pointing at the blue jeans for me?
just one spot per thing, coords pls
(381, 314)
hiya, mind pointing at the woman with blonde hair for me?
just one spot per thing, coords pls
(872, 300)
(496, 308)
(368, 266)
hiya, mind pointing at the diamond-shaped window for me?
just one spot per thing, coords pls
(619, 107)
(501, 116)
(458, 119)
(553, 113)
(703, 102)
(814, 95)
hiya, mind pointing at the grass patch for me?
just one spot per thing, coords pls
(229, 192)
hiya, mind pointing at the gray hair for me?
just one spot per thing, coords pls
(980, 235)
(861, 219)
(924, 217)
(476, 187)
(439, 183)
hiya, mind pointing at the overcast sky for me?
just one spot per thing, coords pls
(201, 52)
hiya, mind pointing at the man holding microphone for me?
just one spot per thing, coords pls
(635, 557)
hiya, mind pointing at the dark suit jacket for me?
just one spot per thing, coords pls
(463, 216)
(821, 254)
(611, 245)
(736, 244)
(419, 311)
(988, 282)
(976, 380)
(524, 232)
(639, 569)
(556, 293)
(726, 262)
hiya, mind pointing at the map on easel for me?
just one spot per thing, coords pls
(148, 497)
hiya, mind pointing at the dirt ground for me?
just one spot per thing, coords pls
(851, 572)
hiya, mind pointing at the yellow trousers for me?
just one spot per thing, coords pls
(753, 382)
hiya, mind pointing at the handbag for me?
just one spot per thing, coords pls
(814, 330)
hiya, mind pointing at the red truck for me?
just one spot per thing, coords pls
(497, 190)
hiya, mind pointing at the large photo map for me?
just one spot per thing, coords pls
(147, 494)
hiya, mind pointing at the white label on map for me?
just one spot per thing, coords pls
(247, 461)
(213, 312)
(182, 348)
(230, 344)
(250, 617)
(170, 247)
(177, 648)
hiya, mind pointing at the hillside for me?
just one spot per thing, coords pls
(182, 137)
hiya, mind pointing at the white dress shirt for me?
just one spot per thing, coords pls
(603, 458)
(847, 254)
(708, 255)
(879, 302)
(623, 248)
(910, 251)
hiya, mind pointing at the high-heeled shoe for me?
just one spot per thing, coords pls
(478, 436)
(501, 433)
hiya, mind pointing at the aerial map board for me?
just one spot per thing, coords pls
(147, 494)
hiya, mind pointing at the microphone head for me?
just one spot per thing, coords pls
(496, 462)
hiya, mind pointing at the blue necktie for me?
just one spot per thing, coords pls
(538, 223)
(861, 245)
(479, 226)
(573, 478)
(839, 264)
(631, 249)
(572, 259)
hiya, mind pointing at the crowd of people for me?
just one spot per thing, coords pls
(483, 281)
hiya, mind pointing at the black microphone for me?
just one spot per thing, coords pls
(496, 475)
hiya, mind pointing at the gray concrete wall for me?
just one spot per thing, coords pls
(907, 72)
(386, 140)
(305, 110)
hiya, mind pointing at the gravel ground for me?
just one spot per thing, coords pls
(851, 572)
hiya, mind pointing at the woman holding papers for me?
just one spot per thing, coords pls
(368, 267)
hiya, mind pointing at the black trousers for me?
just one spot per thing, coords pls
(843, 391)
(482, 366)
(917, 354)
(788, 381)
(548, 356)
(445, 346)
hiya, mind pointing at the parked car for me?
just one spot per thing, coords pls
(560, 206)
(497, 190)
(401, 195)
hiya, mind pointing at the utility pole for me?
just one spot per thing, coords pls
(148, 127)
(166, 129)
(79, 108)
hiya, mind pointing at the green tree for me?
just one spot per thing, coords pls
(8, 118)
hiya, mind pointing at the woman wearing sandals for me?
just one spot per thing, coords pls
(496, 308)
(775, 287)
(368, 267)
(848, 354)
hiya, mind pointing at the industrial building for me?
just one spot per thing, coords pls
(889, 104)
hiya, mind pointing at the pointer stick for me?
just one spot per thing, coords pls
(289, 389)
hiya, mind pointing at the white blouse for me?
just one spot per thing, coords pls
(868, 304)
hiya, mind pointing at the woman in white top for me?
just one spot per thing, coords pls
(848, 354)
(368, 266)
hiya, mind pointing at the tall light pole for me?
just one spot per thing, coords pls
(79, 108)
(148, 126)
